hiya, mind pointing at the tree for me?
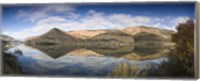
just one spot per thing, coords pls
(181, 60)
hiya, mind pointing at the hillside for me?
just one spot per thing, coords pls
(113, 39)
(104, 39)
(6, 38)
(8, 42)
(85, 34)
(164, 33)
(132, 31)
(54, 36)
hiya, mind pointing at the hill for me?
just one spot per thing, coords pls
(85, 34)
(113, 38)
(8, 41)
(105, 39)
(131, 31)
(164, 33)
(54, 36)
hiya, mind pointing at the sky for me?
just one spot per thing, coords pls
(22, 21)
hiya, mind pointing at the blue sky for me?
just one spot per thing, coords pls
(22, 21)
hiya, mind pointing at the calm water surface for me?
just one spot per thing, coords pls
(39, 61)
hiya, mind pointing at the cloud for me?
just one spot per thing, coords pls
(41, 12)
(178, 20)
(51, 20)
(44, 20)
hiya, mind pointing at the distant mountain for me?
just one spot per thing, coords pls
(31, 38)
(102, 38)
(112, 42)
(8, 41)
(6, 38)
(54, 36)
(85, 34)
(164, 33)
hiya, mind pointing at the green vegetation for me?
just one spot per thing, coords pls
(181, 60)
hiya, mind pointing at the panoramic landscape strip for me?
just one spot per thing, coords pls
(125, 40)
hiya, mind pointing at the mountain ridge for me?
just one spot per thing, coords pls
(85, 34)
(57, 36)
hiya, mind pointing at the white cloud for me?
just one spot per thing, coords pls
(178, 20)
(129, 20)
(94, 13)
(51, 20)
(92, 20)
(45, 11)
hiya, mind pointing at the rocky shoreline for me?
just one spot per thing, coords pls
(9, 61)
(10, 65)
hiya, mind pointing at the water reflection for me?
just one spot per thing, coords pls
(86, 61)
(139, 52)
(53, 51)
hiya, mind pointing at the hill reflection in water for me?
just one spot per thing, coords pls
(137, 52)
(80, 61)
